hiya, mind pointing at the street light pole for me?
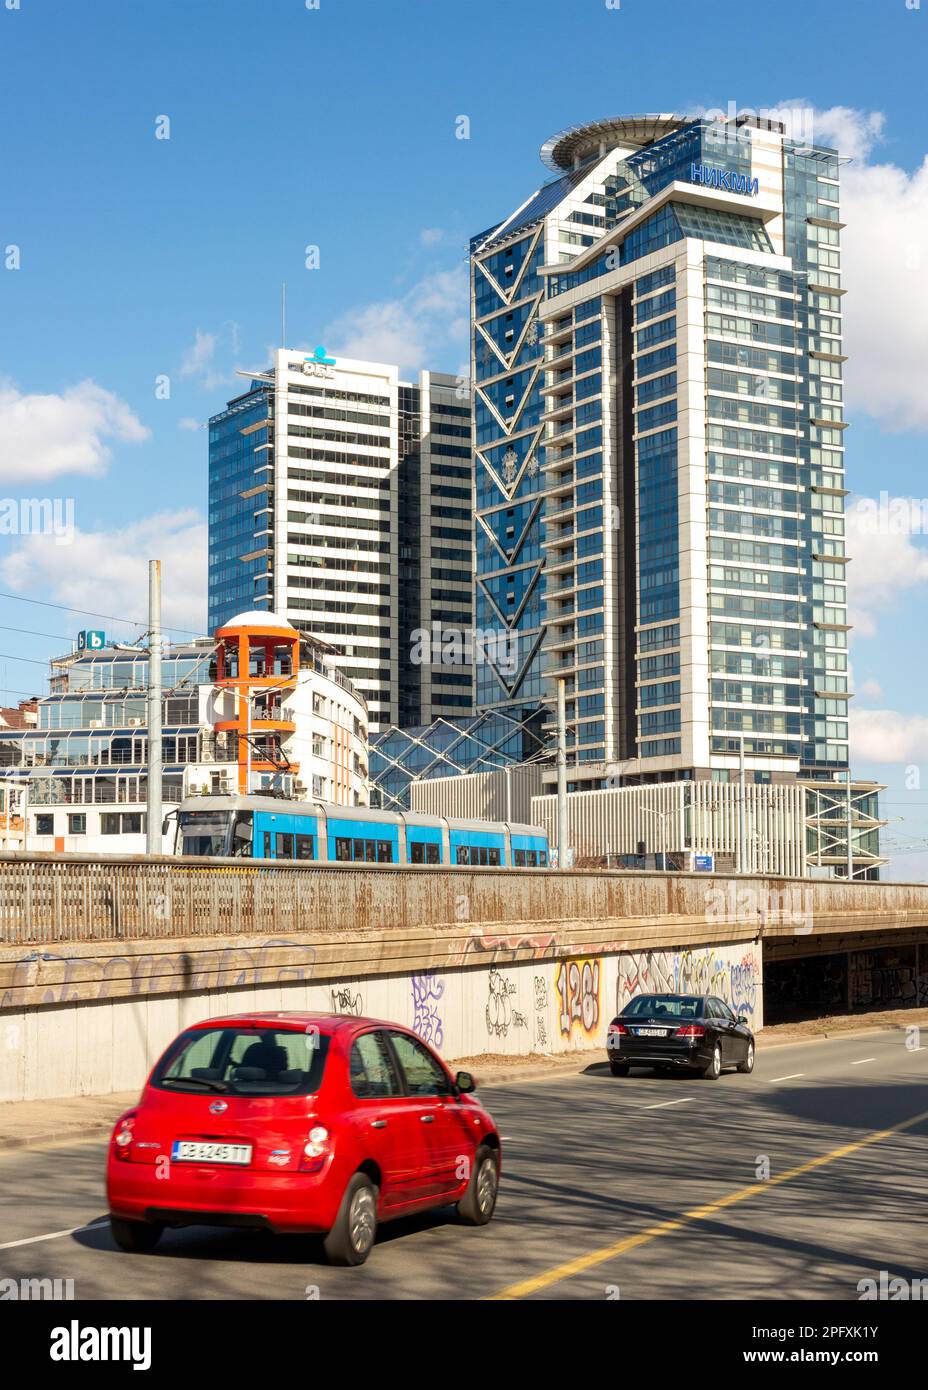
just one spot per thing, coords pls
(561, 773)
(741, 843)
(247, 696)
(153, 838)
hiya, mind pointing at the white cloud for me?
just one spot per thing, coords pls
(869, 690)
(46, 436)
(431, 236)
(199, 361)
(886, 736)
(884, 560)
(413, 330)
(187, 422)
(884, 256)
(884, 259)
(106, 571)
(850, 131)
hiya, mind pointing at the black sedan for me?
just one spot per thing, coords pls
(679, 1032)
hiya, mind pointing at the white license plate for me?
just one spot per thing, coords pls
(652, 1032)
(189, 1151)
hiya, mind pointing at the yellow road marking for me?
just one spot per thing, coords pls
(665, 1228)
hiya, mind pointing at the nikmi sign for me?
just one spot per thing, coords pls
(712, 177)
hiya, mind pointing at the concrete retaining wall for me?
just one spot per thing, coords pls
(99, 1029)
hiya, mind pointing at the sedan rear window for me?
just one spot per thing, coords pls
(244, 1062)
(663, 1006)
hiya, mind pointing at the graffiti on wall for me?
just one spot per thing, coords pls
(344, 1002)
(484, 948)
(427, 989)
(577, 984)
(128, 976)
(731, 974)
(540, 996)
(500, 1015)
(647, 972)
(743, 985)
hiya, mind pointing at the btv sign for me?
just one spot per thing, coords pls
(711, 177)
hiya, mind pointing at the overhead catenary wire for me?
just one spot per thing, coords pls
(89, 613)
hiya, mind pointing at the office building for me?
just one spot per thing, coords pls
(341, 498)
(258, 708)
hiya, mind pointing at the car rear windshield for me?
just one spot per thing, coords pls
(244, 1062)
(664, 1006)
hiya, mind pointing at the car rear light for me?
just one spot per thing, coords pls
(617, 1029)
(691, 1030)
(123, 1138)
(315, 1150)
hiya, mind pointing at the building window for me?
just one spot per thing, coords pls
(45, 825)
(121, 823)
(77, 825)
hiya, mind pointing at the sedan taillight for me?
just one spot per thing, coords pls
(691, 1030)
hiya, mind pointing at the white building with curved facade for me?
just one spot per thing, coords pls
(259, 707)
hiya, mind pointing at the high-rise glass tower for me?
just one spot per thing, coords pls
(340, 499)
(658, 434)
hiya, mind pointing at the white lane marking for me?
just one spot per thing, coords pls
(664, 1103)
(54, 1235)
(792, 1076)
(861, 1061)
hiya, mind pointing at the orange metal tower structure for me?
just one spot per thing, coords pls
(258, 659)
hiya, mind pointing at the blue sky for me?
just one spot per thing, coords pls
(143, 259)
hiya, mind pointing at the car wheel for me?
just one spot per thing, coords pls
(619, 1068)
(135, 1237)
(352, 1237)
(478, 1204)
(747, 1066)
(714, 1070)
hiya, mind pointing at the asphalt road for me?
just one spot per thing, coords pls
(646, 1187)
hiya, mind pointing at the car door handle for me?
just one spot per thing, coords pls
(427, 1119)
(378, 1124)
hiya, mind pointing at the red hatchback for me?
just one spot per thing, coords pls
(299, 1122)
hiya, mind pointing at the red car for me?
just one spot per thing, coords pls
(299, 1122)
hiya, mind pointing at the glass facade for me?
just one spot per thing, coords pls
(447, 747)
(508, 460)
(580, 467)
(240, 460)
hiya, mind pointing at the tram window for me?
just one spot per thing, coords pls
(305, 847)
(461, 855)
(542, 858)
(484, 856)
(284, 846)
(494, 856)
(417, 852)
(384, 852)
(343, 849)
(268, 852)
(518, 857)
(433, 854)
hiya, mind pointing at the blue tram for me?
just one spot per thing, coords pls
(262, 827)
